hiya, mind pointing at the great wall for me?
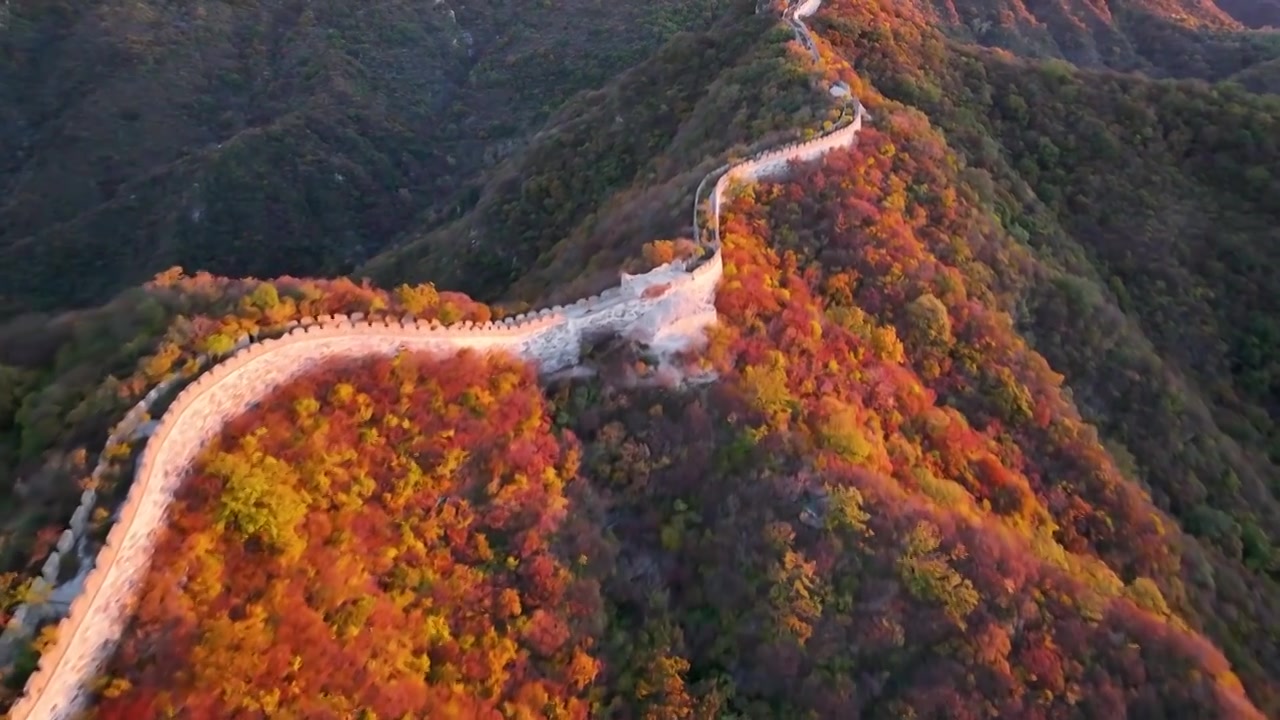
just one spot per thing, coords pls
(668, 306)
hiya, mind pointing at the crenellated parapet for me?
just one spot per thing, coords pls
(665, 307)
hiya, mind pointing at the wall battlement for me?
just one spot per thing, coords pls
(656, 307)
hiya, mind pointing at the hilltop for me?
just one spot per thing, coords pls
(994, 431)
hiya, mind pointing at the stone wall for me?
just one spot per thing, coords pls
(777, 161)
(664, 306)
(44, 588)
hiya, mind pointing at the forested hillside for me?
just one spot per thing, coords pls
(1158, 200)
(616, 167)
(1134, 250)
(994, 432)
(65, 381)
(271, 137)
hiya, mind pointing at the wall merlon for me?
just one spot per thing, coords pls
(65, 541)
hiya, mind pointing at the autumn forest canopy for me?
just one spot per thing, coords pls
(995, 424)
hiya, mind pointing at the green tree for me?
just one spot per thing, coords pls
(260, 498)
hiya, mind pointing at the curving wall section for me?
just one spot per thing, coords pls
(667, 307)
